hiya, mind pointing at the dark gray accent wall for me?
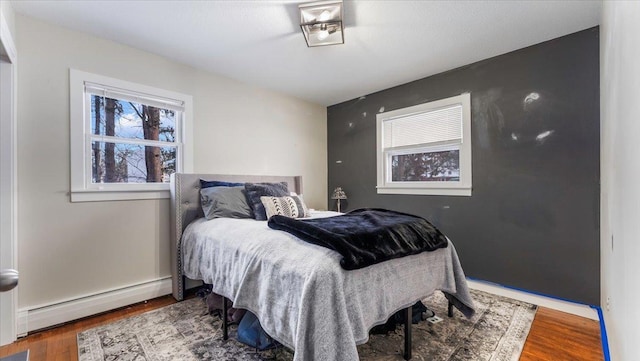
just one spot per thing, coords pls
(533, 219)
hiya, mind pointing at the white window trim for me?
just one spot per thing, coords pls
(81, 188)
(461, 188)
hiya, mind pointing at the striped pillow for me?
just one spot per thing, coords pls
(288, 206)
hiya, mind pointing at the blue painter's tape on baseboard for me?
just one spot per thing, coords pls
(531, 292)
(603, 330)
(603, 334)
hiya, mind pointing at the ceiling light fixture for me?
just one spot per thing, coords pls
(321, 23)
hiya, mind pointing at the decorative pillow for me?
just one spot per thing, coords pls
(229, 202)
(257, 190)
(289, 206)
(215, 183)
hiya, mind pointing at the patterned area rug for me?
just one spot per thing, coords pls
(186, 332)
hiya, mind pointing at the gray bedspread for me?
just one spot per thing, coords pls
(301, 295)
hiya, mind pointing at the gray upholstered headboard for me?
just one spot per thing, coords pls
(185, 207)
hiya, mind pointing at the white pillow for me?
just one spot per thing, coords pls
(288, 206)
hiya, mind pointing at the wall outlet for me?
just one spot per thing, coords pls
(608, 305)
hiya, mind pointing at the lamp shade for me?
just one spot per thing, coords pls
(321, 23)
(338, 193)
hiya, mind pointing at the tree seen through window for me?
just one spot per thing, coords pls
(123, 154)
(428, 166)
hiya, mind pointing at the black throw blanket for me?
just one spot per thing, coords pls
(366, 236)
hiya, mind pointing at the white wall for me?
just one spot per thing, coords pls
(620, 154)
(68, 250)
(7, 11)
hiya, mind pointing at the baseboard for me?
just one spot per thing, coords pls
(36, 318)
(553, 303)
(22, 329)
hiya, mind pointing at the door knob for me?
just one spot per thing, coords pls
(8, 279)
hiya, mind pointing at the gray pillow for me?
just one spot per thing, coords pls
(228, 202)
(257, 190)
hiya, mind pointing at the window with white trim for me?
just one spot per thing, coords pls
(426, 148)
(126, 138)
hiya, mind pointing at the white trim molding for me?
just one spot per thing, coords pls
(8, 179)
(573, 308)
(7, 40)
(42, 316)
(442, 125)
(82, 189)
(101, 195)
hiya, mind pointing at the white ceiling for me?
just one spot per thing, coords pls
(259, 42)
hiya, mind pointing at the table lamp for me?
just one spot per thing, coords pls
(338, 194)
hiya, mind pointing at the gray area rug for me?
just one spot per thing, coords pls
(186, 332)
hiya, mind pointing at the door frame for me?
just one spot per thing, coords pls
(8, 178)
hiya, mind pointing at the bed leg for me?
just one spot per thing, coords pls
(450, 310)
(407, 332)
(225, 329)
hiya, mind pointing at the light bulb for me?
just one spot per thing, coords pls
(324, 16)
(323, 34)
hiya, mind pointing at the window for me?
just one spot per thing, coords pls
(426, 149)
(126, 138)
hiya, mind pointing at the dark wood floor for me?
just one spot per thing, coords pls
(554, 336)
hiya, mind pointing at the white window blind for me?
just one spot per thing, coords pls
(425, 148)
(141, 98)
(425, 128)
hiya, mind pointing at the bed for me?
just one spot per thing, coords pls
(301, 295)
